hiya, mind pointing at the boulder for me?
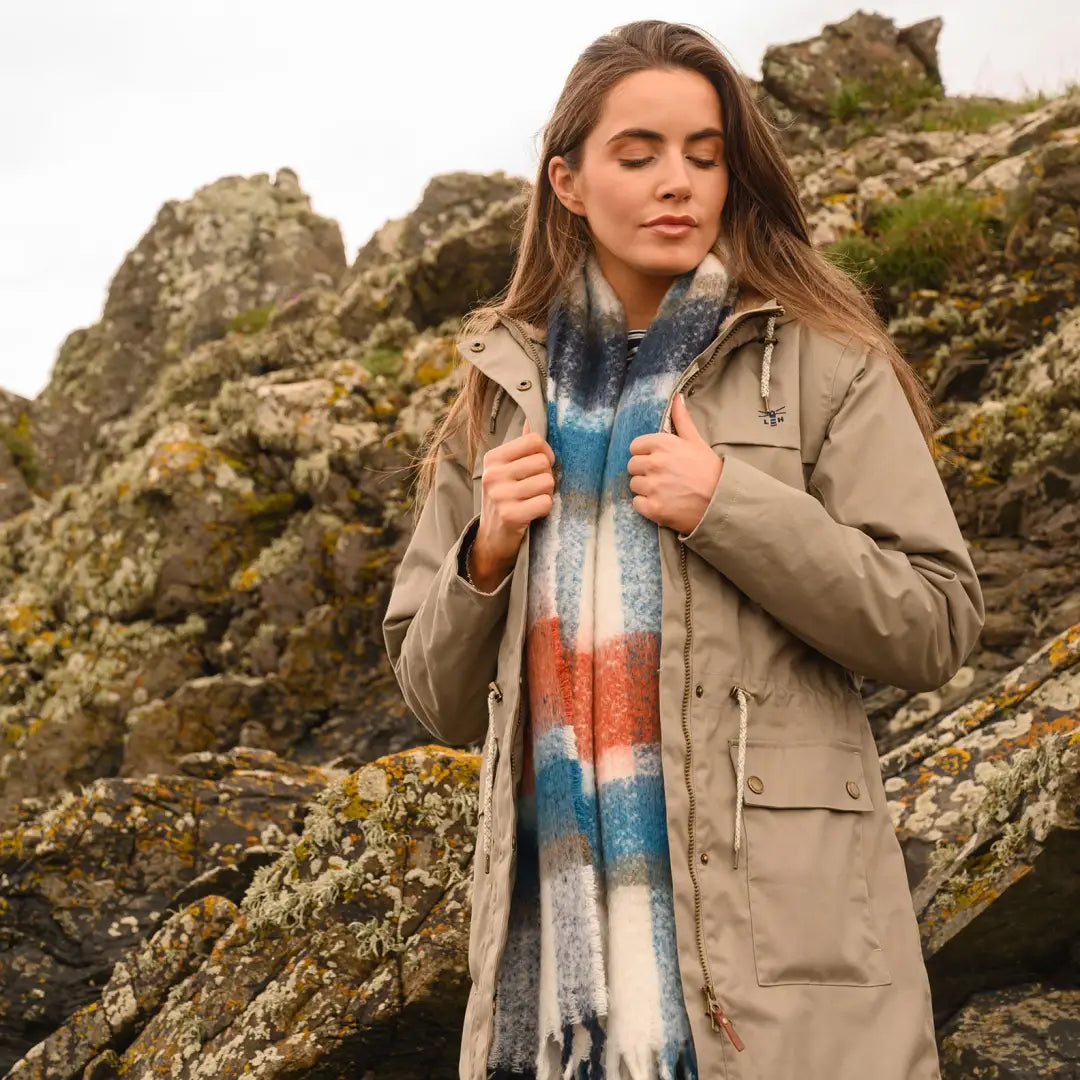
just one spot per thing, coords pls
(986, 804)
(865, 55)
(342, 950)
(235, 249)
(423, 278)
(1028, 1032)
(86, 879)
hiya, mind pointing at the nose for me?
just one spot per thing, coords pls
(675, 180)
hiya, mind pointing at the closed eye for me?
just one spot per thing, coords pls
(634, 163)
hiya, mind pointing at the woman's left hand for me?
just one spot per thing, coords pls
(673, 474)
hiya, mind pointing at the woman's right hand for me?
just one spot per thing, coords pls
(518, 485)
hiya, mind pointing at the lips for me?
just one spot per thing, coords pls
(671, 219)
(670, 227)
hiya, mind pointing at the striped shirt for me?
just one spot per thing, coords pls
(633, 340)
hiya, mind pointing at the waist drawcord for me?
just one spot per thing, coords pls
(491, 753)
(740, 769)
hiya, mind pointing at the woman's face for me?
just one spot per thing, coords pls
(657, 149)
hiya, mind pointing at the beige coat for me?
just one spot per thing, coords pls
(829, 551)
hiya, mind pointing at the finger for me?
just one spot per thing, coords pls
(680, 409)
(647, 443)
(525, 429)
(526, 465)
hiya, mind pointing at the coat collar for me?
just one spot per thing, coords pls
(513, 355)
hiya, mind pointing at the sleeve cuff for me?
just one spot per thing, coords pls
(468, 534)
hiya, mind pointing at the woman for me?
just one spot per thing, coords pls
(685, 501)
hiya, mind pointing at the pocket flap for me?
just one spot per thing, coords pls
(785, 774)
(756, 427)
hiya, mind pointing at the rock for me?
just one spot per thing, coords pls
(354, 940)
(86, 879)
(986, 805)
(227, 566)
(238, 244)
(135, 990)
(922, 39)
(445, 275)
(1053, 175)
(1029, 1032)
(19, 465)
(450, 201)
(865, 51)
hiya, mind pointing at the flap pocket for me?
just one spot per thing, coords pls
(803, 774)
(810, 912)
(751, 423)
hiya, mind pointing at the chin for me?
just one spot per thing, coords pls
(674, 262)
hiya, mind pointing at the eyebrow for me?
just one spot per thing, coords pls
(655, 136)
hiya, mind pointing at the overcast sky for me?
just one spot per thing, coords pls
(109, 108)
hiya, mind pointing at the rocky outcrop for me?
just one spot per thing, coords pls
(18, 460)
(192, 582)
(865, 56)
(450, 201)
(987, 808)
(237, 246)
(339, 952)
(85, 880)
(455, 250)
(1029, 1032)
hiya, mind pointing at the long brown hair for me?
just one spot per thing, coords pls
(764, 238)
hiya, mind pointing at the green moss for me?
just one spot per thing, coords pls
(21, 447)
(854, 254)
(971, 114)
(917, 242)
(847, 101)
(251, 321)
(383, 361)
(855, 98)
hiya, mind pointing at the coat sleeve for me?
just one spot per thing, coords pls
(867, 565)
(441, 633)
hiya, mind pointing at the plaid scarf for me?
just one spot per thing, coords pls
(589, 982)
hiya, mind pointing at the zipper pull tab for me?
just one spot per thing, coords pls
(719, 1018)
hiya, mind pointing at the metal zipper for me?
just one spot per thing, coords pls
(527, 343)
(717, 1017)
(719, 1020)
(513, 839)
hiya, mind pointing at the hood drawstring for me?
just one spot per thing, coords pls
(500, 390)
(769, 340)
(740, 769)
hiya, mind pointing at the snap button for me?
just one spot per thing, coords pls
(699, 689)
(755, 785)
(852, 789)
(525, 384)
(704, 856)
(476, 346)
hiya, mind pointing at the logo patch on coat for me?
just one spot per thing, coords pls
(772, 417)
